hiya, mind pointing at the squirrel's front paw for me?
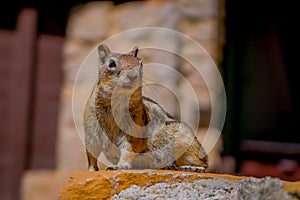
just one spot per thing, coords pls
(118, 167)
(191, 169)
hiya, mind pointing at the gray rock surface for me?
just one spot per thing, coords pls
(207, 189)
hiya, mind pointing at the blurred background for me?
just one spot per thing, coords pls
(43, 43)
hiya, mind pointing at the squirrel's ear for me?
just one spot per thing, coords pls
(134, 52)
(103, 52)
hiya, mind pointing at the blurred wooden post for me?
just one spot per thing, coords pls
(46, 101)
(6, 161)
(22, 76)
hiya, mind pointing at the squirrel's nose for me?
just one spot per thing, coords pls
(132, 74)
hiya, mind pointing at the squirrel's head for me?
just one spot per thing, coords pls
(122, 71)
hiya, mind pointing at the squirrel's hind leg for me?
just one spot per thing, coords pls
(92, 162)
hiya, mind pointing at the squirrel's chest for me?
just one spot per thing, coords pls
(110, 131)
(113, 135)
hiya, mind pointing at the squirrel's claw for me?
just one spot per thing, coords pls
(117, 167)
(191, 169)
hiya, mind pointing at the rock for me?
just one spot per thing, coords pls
(74, 53)
(164, 184)
(200, 29)
(70, 150)
(198, 9)
(90, 18)
(149, 14)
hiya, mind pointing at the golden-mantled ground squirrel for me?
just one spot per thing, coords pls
(133, 131)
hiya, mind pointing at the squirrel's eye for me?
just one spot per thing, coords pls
(112, 64)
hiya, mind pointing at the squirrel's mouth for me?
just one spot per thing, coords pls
(127, 86)
(130, 85)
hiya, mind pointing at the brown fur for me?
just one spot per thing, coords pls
(159, 141)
